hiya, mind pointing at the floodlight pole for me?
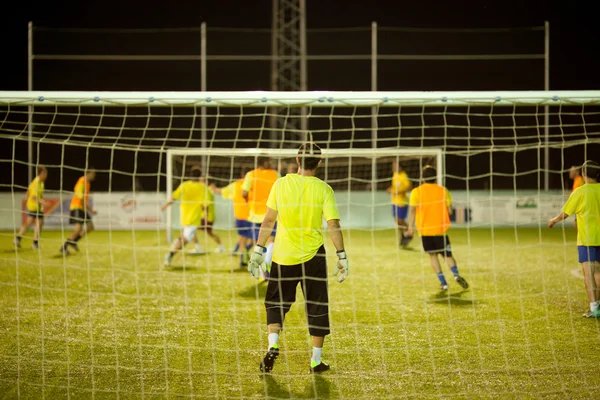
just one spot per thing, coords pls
(30, 108)
(546, 115)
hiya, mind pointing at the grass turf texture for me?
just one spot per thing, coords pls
(112, 322)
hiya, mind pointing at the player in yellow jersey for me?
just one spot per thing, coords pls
(34, 208)
(584, 202)
(208, 220)
(192, 195)
(241, 210)
(255, 189)
(81, 212)
(430, 208)
(400, 187)
(299, 203)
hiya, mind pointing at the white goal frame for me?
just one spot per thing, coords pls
(289, 153)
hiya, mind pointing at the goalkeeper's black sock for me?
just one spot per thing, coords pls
(171, 254)
(35, 242)
(18, 238)
(77, 239)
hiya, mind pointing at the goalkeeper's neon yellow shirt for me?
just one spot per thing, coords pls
(585, 203)
(301, 203)
(400, 185)
(192, 195)
(35, 195)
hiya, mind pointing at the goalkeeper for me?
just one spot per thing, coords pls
(192, 194)
(400, 187)
(430, 206)
(584, 202)
(299, 202)
(34, 208)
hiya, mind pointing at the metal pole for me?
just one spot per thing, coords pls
(274, 69)
(374, 109)
(203, 88)
(546, 114)
(303, 67)
(30, 108)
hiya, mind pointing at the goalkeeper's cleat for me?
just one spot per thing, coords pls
(35, 246)
(220, 249)
(443, 288)
(267, 363)
(461, 281)
(405, 241)
(64, 250)
(17, 243)
(592, 314)
(168, 259)
(318, 368)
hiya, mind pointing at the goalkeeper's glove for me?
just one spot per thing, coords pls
(342, 267)
(257, 261)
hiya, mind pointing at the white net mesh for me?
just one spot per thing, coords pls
(111, 321)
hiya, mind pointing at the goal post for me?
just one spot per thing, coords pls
(412, 160)
(124, 318)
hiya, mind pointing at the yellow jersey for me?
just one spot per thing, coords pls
(193, 197)
(301, 203)
(258, 184)
(585, 203)
(578, 181)
(210, 206)
(400, 186)
(431, 202)
(81, 195)
(35, 195)
(233, 191)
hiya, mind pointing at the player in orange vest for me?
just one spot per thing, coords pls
(241, 211)
(255, 189)
(81, 212)
(575, 175)
(430, 206)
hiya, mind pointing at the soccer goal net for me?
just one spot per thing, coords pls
(111, 320)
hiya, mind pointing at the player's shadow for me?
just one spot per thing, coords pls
(454, 299)
(275, 390)
(256, 291)
(181, 268)
(319, 387)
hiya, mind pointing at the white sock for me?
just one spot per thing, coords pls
(316, 357)
(198, 247)
(269, 254)
(273, 339)
(593, 306)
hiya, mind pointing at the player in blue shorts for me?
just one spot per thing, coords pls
(584, 202)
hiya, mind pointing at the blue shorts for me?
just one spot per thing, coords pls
(244, 228)
(256, 229)
(588, 253)
(399, 212)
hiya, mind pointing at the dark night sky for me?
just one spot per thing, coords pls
(575, 34)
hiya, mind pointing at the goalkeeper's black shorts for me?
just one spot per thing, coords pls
(281, 292)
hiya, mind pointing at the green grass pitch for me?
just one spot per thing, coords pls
(111, 322)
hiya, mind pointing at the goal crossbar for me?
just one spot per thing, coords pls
(299, 99)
